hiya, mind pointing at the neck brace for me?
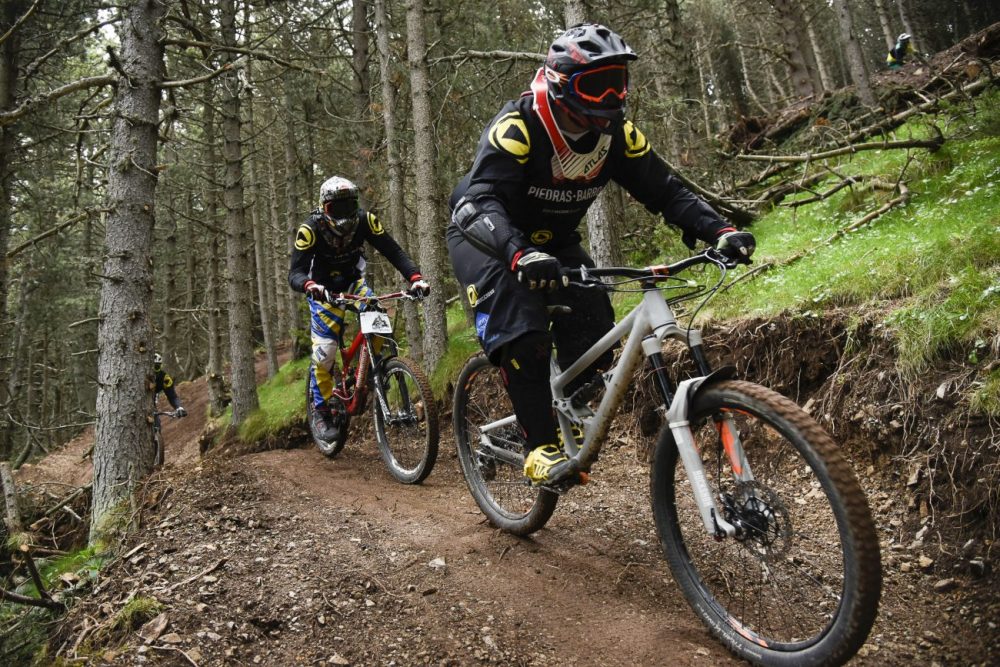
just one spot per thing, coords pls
(567, 165)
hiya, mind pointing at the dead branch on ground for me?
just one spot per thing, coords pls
(930, 144)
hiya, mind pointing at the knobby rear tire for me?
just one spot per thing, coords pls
(500, 489)
(333, 447)
(409, 449)
(802, 587)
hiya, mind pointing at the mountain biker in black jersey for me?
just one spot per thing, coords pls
(165, 385)
(540, 164)
(329, 255)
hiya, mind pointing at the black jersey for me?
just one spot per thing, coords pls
(335, 263)
(165, 385)
(533, 184)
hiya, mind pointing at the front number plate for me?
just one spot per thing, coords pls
(375, 323)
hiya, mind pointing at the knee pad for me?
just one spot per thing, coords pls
(324, 355)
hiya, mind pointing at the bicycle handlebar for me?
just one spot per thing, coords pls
(345, 299)
(655, 273)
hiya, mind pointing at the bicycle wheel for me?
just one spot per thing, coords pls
(327, 447)
(800, 583)
(157, 447)
(499, 487)
(406, 425)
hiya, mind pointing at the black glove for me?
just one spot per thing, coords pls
(736, 245)
(539, 270)
(180, 411)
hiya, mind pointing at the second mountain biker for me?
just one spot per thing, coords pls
(540, 164)
(329, 255)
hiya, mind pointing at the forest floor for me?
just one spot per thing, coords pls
(286, 557)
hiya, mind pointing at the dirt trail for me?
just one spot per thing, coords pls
(286, 557)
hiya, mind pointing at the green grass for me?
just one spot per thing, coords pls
(282, 403)
(135, 612)
(935, 263)
(462, 344)
(986, 399)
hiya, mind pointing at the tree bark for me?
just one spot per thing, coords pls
(362, 84)
(428, 222)
(243, 379)
(789, 29)
(397, 209)
(9, 50)
(292, 211)
(122, 452)
(885, 23)
(855, 57)
(259, 243)
(216, 393)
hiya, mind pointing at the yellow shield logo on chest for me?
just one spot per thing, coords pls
(541, 237)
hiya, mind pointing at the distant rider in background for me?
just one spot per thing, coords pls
(898, 54)
(165, 385)
(329, 256)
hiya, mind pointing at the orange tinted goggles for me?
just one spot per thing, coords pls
(604, 86)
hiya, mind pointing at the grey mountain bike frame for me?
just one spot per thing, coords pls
(647, 326)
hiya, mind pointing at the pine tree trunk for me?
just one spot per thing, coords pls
(885, 23)
(260, 244)
(825, 79)
(428, 222)
(904, 17)
(122, 451)
(855, 57)
(243, 380)
(397, 210)
(9, 50)
(281, 291)
(216, 389)
(292, 212)
(789, 30)
(362, 103)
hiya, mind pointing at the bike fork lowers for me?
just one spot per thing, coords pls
(678, 400)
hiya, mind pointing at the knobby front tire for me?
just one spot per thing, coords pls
(157, 448)
(801, 585)
(327, 448)
(500, 489)
(408, 435)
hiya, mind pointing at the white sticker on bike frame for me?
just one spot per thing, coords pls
(375, 323)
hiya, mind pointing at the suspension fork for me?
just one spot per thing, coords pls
(724, 422)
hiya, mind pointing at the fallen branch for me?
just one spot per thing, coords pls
(930, 144)
(31, 602)
(207, 570)
(174, 648)
(884, 125)
(43, 594)
(68, 499)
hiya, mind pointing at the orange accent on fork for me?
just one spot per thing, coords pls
(729, 444)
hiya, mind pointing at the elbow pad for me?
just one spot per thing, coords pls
(492, 237)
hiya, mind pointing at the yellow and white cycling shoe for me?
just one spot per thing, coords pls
(545, 464)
